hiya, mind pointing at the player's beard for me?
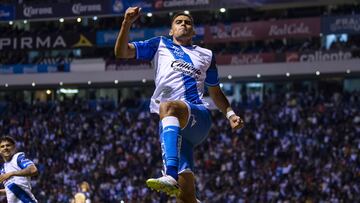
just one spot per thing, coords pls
(183, 34)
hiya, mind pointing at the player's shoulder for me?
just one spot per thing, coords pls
(16, 157)
(203, 50)
(149, 40)
(157, 38)
(154, 41)
(165, 39)
(19, 154)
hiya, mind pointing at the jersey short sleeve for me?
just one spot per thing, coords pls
(145, 50)
(23, 162)
(212, 77)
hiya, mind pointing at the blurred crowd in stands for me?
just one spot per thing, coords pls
(295, 147)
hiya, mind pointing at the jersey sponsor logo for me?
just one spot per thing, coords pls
(186, 68)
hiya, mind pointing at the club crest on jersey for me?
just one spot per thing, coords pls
(178, 52)
(186, 68)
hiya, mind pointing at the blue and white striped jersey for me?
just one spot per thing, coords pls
(18, 188)
(181, 72)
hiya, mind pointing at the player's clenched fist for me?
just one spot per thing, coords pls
(236, 122)
(131, 14)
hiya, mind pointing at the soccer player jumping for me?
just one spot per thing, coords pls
(182, 71)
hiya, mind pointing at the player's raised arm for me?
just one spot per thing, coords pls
(123, 49)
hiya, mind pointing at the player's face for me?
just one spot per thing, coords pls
(182, 28)
(7, 149)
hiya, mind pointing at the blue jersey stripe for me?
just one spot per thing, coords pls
(212, 78)
(22, 161)
(25, 165)
(20, 193)
(191, 92)
(147, 49)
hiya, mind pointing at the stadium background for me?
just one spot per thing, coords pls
(290, 69)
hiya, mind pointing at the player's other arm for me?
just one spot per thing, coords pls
(223, 104)
(2, 192)
(219, 98)
(124, 49)
(30, 170)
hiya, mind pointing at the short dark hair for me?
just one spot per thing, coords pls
(182, 14)
(7, 139)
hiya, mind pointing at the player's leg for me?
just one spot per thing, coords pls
(174, 116)
(186, 175)
(178, 109)
(187, 185)
(199, 124)
(195, 132)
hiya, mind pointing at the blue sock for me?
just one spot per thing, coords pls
(172, 171)
(172, 143)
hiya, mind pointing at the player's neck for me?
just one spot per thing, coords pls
(7, 158)
(182, 42)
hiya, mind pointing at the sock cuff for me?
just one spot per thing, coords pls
(170, 121)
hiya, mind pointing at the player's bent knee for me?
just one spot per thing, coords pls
(175, 108)
(172, 108)
(167, 109)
